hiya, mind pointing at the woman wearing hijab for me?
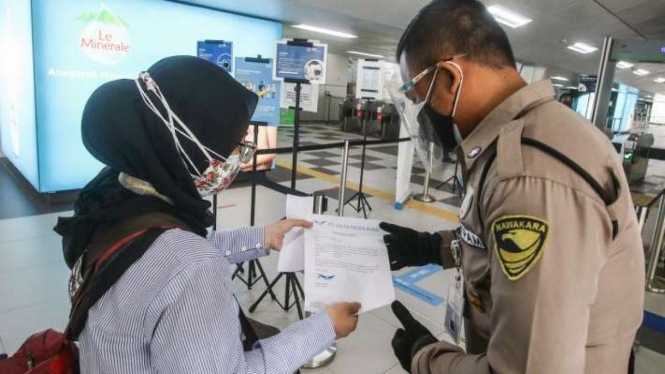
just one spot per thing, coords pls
(167, 139)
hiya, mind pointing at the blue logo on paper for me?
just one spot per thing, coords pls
(320, 222)
(325, 277)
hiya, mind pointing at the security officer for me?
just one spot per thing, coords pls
(548, 249)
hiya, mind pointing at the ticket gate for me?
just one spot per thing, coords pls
(636, 156)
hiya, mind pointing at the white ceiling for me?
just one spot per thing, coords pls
(556, 24)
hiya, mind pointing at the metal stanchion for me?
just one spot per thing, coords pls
(656, 246)
(425, 196)
(328, 355)
(342, 182)
(642, 216)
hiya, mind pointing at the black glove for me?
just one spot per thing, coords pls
(409, 340)
(407, 247)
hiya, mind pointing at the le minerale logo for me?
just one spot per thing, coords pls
(105, 39)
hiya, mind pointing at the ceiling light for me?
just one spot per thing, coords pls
(507, 16)
(641, 72)
(582, 48)
(557, 85)
(624, 65)
(366, 54)
(659, 80)
(325, 31)
(559, 79)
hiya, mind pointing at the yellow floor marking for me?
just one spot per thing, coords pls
(417, 205)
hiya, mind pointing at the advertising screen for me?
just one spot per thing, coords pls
(301, 62)
(79, 45)
(17, 89)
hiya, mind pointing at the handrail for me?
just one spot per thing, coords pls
(318, 147)
(654, 199)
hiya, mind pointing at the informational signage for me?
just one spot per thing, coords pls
(369, 80)
(309, 96)
(218, 52)
(266, 139)
(18, 132)
(287, 116)
(588, 83)
(256, 76)
(80, 45)
(301, 61)
(638, 50)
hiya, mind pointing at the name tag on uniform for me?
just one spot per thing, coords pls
(469, 237)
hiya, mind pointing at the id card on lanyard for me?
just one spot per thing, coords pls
(455, 306)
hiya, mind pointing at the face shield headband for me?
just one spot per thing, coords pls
(430, 132)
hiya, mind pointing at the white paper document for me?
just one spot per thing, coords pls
(292, 255)
(346, 260)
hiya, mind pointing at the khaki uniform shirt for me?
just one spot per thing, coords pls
(553, 274)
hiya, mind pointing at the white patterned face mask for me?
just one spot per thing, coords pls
(221, 171)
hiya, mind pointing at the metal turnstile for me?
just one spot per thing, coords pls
(636, 156)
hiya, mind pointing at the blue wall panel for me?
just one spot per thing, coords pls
(17, 88)
(70, 62)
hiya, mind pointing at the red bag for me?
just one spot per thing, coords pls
(49, 351)
(46, 352)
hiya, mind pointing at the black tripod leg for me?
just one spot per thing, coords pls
(235, 273)
(251, 274)
(287, 292)
(362, 202)
(265, 280)
(268, 290)
(239, 269)
(294, 280)
(367, 202)
(302, 293)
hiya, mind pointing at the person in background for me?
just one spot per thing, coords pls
(267, 139)
(566, 99)
(168, 139)
(549, 257)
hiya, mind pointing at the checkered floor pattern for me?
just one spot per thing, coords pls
(383, 159)
(379, 160)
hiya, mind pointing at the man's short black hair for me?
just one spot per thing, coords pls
(445, 28)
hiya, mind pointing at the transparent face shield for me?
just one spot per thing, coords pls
(221, 171)
(416, 124)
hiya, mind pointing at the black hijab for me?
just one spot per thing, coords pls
(119, 130)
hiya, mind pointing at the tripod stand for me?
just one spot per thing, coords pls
(453, 182)
(292, 285)
(252, 275)
(362, 199)
(292, 282)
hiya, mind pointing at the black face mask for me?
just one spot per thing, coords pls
(442, 125)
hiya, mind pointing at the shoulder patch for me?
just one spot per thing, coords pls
(518, 242)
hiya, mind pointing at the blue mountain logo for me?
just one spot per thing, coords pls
(325, 277)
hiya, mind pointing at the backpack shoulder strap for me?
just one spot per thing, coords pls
(106, 270)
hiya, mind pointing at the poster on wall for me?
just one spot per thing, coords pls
(80, 45)
(256, 76)
(301, 61)
(369, 80)
(588, 83)
(267, 139)
(309, 96)
(389, 71)
(218, 52)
